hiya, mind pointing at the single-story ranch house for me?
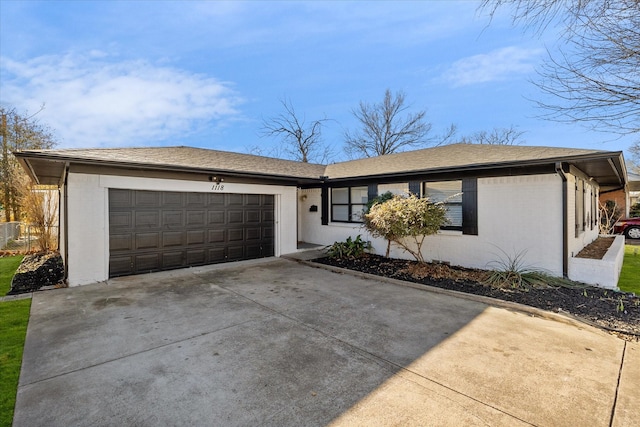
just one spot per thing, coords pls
(134, 210)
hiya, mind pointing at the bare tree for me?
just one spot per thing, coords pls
(594, 79)
(302, 141)
(40, 210)
(19, 132)
(496, 136)
(387, 128)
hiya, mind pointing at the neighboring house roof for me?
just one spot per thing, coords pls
(607, 166)
(634, 181)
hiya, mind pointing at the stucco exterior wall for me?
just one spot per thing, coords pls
(516, 215)
(88, 216)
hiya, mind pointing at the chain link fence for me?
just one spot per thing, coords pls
(9, 232)
(21, 237)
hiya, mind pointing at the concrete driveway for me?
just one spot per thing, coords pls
(274, 342)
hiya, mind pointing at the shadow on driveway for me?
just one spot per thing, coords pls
(273, 342)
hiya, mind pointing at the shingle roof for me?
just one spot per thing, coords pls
(191, 158)
(47, 166)
(450, 157)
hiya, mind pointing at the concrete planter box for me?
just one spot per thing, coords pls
(603, 272)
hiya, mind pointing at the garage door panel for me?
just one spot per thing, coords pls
(253, 251)
(147, 240)
(196, 257)
(173, 238)
(234, 199)
(252, 199)
(216, 236)
(235, 253)
(215, 199)
(147, 262)
(147, 219)
(153, 231)
(173, 219)
(148, 198)
(120, 242)
(252, 233)
(267, 216)
(196, 218)
(215, 217)
(267, 232)
(216, 255)
(196, 199)
(267, 249)
(171, 199)
(195, 237)
(235, 235)
(173, 259)
(120, 198)
(235, 217)
(252, 215)
(120, 265)
(120, 220)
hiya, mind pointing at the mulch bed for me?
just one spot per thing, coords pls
(617, 311)
(596, 249)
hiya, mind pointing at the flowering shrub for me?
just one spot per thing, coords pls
(406, 221)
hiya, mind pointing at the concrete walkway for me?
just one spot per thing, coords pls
(274, 342)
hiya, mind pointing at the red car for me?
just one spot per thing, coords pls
(630, 227)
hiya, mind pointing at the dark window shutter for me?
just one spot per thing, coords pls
(470, 206)
(414, 187)
(372, 191)
(324, 198)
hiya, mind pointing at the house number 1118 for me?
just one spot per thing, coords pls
(217, 187)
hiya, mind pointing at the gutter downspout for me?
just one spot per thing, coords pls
(565, 222)
(66, 224)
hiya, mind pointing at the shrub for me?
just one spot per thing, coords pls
(351, 248)
(511, 272)
(635, 210)
(406, 217)
(381, 198)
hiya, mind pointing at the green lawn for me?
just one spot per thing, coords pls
(8, 266)
(630, 275)
(14, 316)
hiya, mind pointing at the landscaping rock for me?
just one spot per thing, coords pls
(36, 271)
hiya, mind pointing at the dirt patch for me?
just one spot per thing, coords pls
(606, 308)
(596, 249)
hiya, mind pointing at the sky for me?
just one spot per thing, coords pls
(208, 74)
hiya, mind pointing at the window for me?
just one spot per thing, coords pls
(348, 203)
(450, 193)
(399, 188)
(579, 215)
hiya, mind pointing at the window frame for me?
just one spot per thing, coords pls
(424, 192)
(350, 203)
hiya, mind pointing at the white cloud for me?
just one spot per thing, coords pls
(500, 64)
(92, 102)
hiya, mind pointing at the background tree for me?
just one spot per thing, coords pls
(39, 204)
(18, 132)
(388, 127)
(496, 136)
(594, 79)
(301, 141)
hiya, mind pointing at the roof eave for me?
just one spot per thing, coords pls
(25, 157)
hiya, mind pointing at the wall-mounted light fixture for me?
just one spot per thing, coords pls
(215, 179)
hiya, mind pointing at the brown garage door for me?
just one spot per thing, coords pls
(162, 230)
